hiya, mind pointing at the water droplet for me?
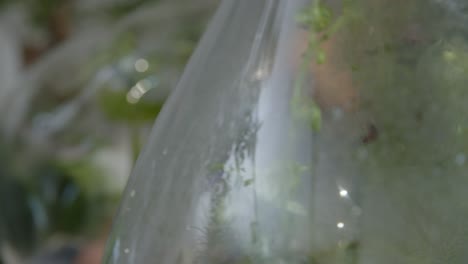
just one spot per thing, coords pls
(132, 193)
(165, 152)
(127, 250)
(340, 225)
(260, 74)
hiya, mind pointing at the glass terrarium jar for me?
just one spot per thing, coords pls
(326, 131)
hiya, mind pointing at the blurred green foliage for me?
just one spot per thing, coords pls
(42, 194)
(16, 218)
(116, 107)
(123, 7)
(63, 200)
(42, 10)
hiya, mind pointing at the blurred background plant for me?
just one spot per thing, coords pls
(81, 84)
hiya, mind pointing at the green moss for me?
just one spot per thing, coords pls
(410, 70)
(307, 110)
(318, 17)
(321, 25)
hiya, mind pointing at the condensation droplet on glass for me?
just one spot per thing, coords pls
(343, 193)
(127, 250)
(164, 152)
(132, 193)
(340, 225)
(460, 159)
(260, 74)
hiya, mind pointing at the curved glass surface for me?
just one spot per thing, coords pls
(330, 131)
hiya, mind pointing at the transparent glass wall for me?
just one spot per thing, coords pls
(310, 132)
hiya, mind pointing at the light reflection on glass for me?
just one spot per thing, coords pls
(261, 74)
(141, 65)
(137, 91)
(343, 193)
